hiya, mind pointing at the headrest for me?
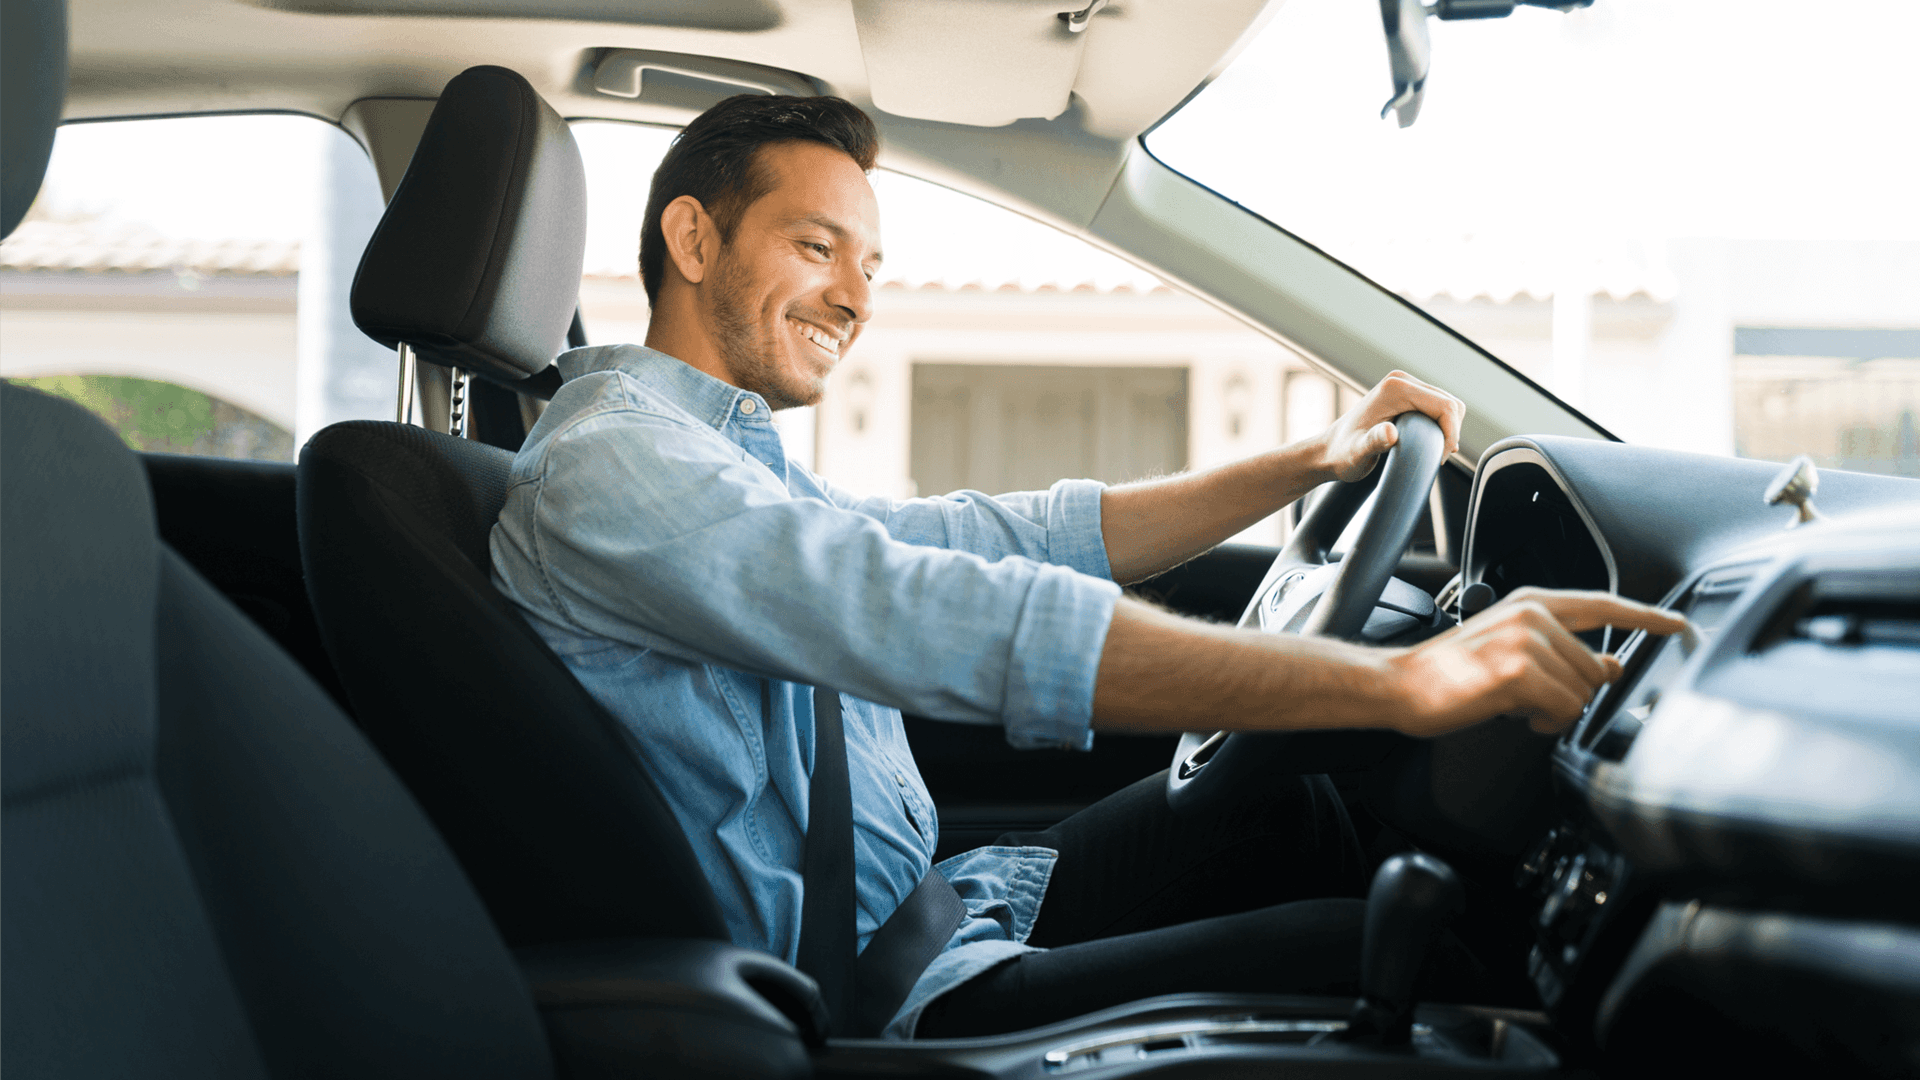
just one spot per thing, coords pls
(476, 263)
(33, 92)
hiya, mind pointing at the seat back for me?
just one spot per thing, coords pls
(538, 788)
(206, 870)
(534, 784)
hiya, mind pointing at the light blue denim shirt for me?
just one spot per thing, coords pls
(699, 584)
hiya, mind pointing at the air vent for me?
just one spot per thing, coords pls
(1854, 623)
(1849, 610)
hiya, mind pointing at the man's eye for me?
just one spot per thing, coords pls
(820, 248)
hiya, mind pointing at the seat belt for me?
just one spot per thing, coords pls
(916, 932)
(827, 939)
(862, 991)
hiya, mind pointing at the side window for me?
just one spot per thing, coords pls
(1003, 354)
(186, 280)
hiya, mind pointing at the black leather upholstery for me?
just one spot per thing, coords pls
(33, 91)
(536, 787)
(206, 870)
(476, 263)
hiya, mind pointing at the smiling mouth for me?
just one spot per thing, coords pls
(824, 341)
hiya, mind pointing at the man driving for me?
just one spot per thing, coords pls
(722, 601)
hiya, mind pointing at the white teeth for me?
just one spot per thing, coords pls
(819, 337)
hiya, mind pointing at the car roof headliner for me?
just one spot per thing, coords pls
(978, 63)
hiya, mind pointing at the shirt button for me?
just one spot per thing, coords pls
(900, 779)
(747, 406)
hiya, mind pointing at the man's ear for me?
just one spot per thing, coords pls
(691, 237)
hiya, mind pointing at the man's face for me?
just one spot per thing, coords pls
(792, 289)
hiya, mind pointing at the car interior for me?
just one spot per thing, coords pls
(290, 789)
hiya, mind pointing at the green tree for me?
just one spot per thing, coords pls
(160, 416)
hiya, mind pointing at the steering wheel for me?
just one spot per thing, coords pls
(1304, 593)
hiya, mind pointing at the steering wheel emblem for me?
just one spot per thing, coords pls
(1280, 589)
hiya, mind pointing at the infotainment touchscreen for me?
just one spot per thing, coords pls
(1652, 662)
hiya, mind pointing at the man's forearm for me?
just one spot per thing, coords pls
(1162, 672)
(1155, 525)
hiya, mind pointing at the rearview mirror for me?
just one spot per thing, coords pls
(1410, 51)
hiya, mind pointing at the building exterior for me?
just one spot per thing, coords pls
(1000, 384)
(219, 318)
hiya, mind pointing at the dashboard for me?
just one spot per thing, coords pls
(1732, 836)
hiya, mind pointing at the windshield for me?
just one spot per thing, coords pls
(1695, 223)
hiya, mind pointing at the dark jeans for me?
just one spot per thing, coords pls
(1258, 896)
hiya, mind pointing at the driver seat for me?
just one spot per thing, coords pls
(534, 785)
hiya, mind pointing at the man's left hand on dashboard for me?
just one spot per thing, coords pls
(1520, 657)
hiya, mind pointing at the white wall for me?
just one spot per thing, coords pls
(1231, 369)
(243, 358)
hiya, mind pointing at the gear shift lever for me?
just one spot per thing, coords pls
(1412, 899)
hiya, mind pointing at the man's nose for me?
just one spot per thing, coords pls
(852, 293)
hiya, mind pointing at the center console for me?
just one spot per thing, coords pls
(1591, 904)
(1741, 836)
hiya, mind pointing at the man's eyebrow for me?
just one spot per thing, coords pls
(839, 231)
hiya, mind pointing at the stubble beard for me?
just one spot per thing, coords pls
(747, 349)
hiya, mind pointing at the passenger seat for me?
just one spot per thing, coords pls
(207, 871)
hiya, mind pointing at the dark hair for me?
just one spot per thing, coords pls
(714, 160)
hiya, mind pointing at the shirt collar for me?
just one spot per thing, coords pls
(699, 393)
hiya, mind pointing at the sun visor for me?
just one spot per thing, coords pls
(733, 16)
(981, 62)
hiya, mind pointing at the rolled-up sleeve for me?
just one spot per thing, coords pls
(1049, 690)
(1003, 623)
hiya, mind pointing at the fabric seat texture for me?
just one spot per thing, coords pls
(535, 785)
(206, 870)
(476, 263)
